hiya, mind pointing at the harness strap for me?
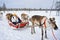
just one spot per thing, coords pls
(45, 23)
(54, 35)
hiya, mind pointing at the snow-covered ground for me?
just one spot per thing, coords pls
(7, 33)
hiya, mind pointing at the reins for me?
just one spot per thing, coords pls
(54, 35)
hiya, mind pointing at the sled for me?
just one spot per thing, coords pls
(20, 25)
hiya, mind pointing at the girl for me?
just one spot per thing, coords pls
(15, 19)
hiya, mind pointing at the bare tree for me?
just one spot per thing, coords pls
(57, 7)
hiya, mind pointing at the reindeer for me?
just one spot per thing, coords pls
(41, 22)
(24, 18)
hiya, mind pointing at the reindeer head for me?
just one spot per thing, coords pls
(53, 23)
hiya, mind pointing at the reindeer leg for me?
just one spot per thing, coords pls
(42, 32)
(32, 29)
(27, 24)
(45, 33)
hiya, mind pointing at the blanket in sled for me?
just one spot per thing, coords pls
(19, 25)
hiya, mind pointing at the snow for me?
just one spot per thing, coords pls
(7, 33)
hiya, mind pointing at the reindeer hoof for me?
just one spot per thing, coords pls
(31, 32)
(34, 32)
(46, 37)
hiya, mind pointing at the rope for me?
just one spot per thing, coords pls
(52, 30)
(45, 23)
(54, 35)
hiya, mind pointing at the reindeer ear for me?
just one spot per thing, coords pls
(53, 18)
(30, 19)
(50, 19)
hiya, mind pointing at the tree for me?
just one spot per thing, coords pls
(0, 8)
(4, 7)
(57, 7)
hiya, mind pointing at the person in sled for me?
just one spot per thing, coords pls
(15, 19)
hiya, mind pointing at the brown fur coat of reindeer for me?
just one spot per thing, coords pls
(8, 16)
(24, 18)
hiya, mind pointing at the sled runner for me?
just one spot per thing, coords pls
(20, 25)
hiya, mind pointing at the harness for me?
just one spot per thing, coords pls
(44, 23)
